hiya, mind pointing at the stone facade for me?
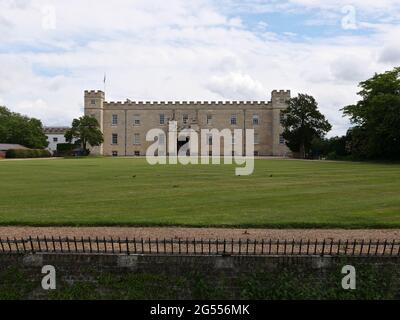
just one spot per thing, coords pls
(125, 124)
(55, 135)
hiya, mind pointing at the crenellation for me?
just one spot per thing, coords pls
(148, 115)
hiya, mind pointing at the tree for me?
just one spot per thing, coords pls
(302, 123)
(376, 134)
(19, 129)
(335, 148)
(87, 132)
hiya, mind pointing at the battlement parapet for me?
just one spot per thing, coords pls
(94, 93)
(280, 92)
(184, 103)
(275, 95)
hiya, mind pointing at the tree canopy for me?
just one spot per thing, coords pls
(376, 134)
(20, 129)
(303, 123)
(86, 130)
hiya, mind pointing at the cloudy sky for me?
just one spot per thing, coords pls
(52, 50)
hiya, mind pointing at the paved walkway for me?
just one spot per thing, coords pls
(205, 233)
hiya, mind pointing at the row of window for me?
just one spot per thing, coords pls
(137, 141)
(137, 153)
(185, 119)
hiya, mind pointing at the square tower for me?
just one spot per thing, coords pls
(94, 101)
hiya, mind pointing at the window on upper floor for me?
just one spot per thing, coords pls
(185, 118)
(234, 120)
(162, 119)
(256, 120)
(136, 120)
(55, 139)
(114, 121)
(209, 119)
(93, 101)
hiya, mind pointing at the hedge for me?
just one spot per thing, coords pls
(64, 149)
(28, 153)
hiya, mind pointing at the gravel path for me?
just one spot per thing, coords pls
(205, 233)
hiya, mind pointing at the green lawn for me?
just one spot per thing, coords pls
(123, 191)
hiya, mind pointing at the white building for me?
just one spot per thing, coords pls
(55, 135)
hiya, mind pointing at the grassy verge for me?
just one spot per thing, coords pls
(129, 192)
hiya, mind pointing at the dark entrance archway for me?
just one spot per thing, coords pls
(180, 144)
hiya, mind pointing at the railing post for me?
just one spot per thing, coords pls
(384, 248)
(23, 244)
(1, 242)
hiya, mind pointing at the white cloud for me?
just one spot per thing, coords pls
(351, 68)
(176, 49)
(235, 85)
(390, 54)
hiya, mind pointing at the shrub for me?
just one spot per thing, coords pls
(64, 149)
(28, 153)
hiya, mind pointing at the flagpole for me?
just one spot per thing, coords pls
(104, 82)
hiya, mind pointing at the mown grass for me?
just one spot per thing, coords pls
(128, 191)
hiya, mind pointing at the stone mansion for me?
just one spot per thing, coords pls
(125, 124)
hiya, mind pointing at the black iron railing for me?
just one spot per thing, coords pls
(201, 246)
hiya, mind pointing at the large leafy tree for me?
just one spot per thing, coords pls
(303, 123)
(86, 130)
(19, 129)
(376, 117)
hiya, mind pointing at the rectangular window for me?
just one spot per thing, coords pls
(209, 139)
(114, 138)
(93, 101)
(162, 119)
(209, 119)
(161, 139)
(256, 153)
(256, 120)
(115, 153)
(185, 119)
(55, 139)
(136, 120)
(234, 120)
(114, 121)
(256, 138)
(136, 138)
(281, 139)
(281, 116)
(137, 153)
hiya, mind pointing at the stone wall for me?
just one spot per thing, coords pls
(268, 112)
(216, 277)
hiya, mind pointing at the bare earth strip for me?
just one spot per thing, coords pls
(199, 233)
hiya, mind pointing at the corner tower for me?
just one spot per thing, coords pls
(279, 101)
(94, 101)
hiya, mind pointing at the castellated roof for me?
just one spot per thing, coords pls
(55, 130)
